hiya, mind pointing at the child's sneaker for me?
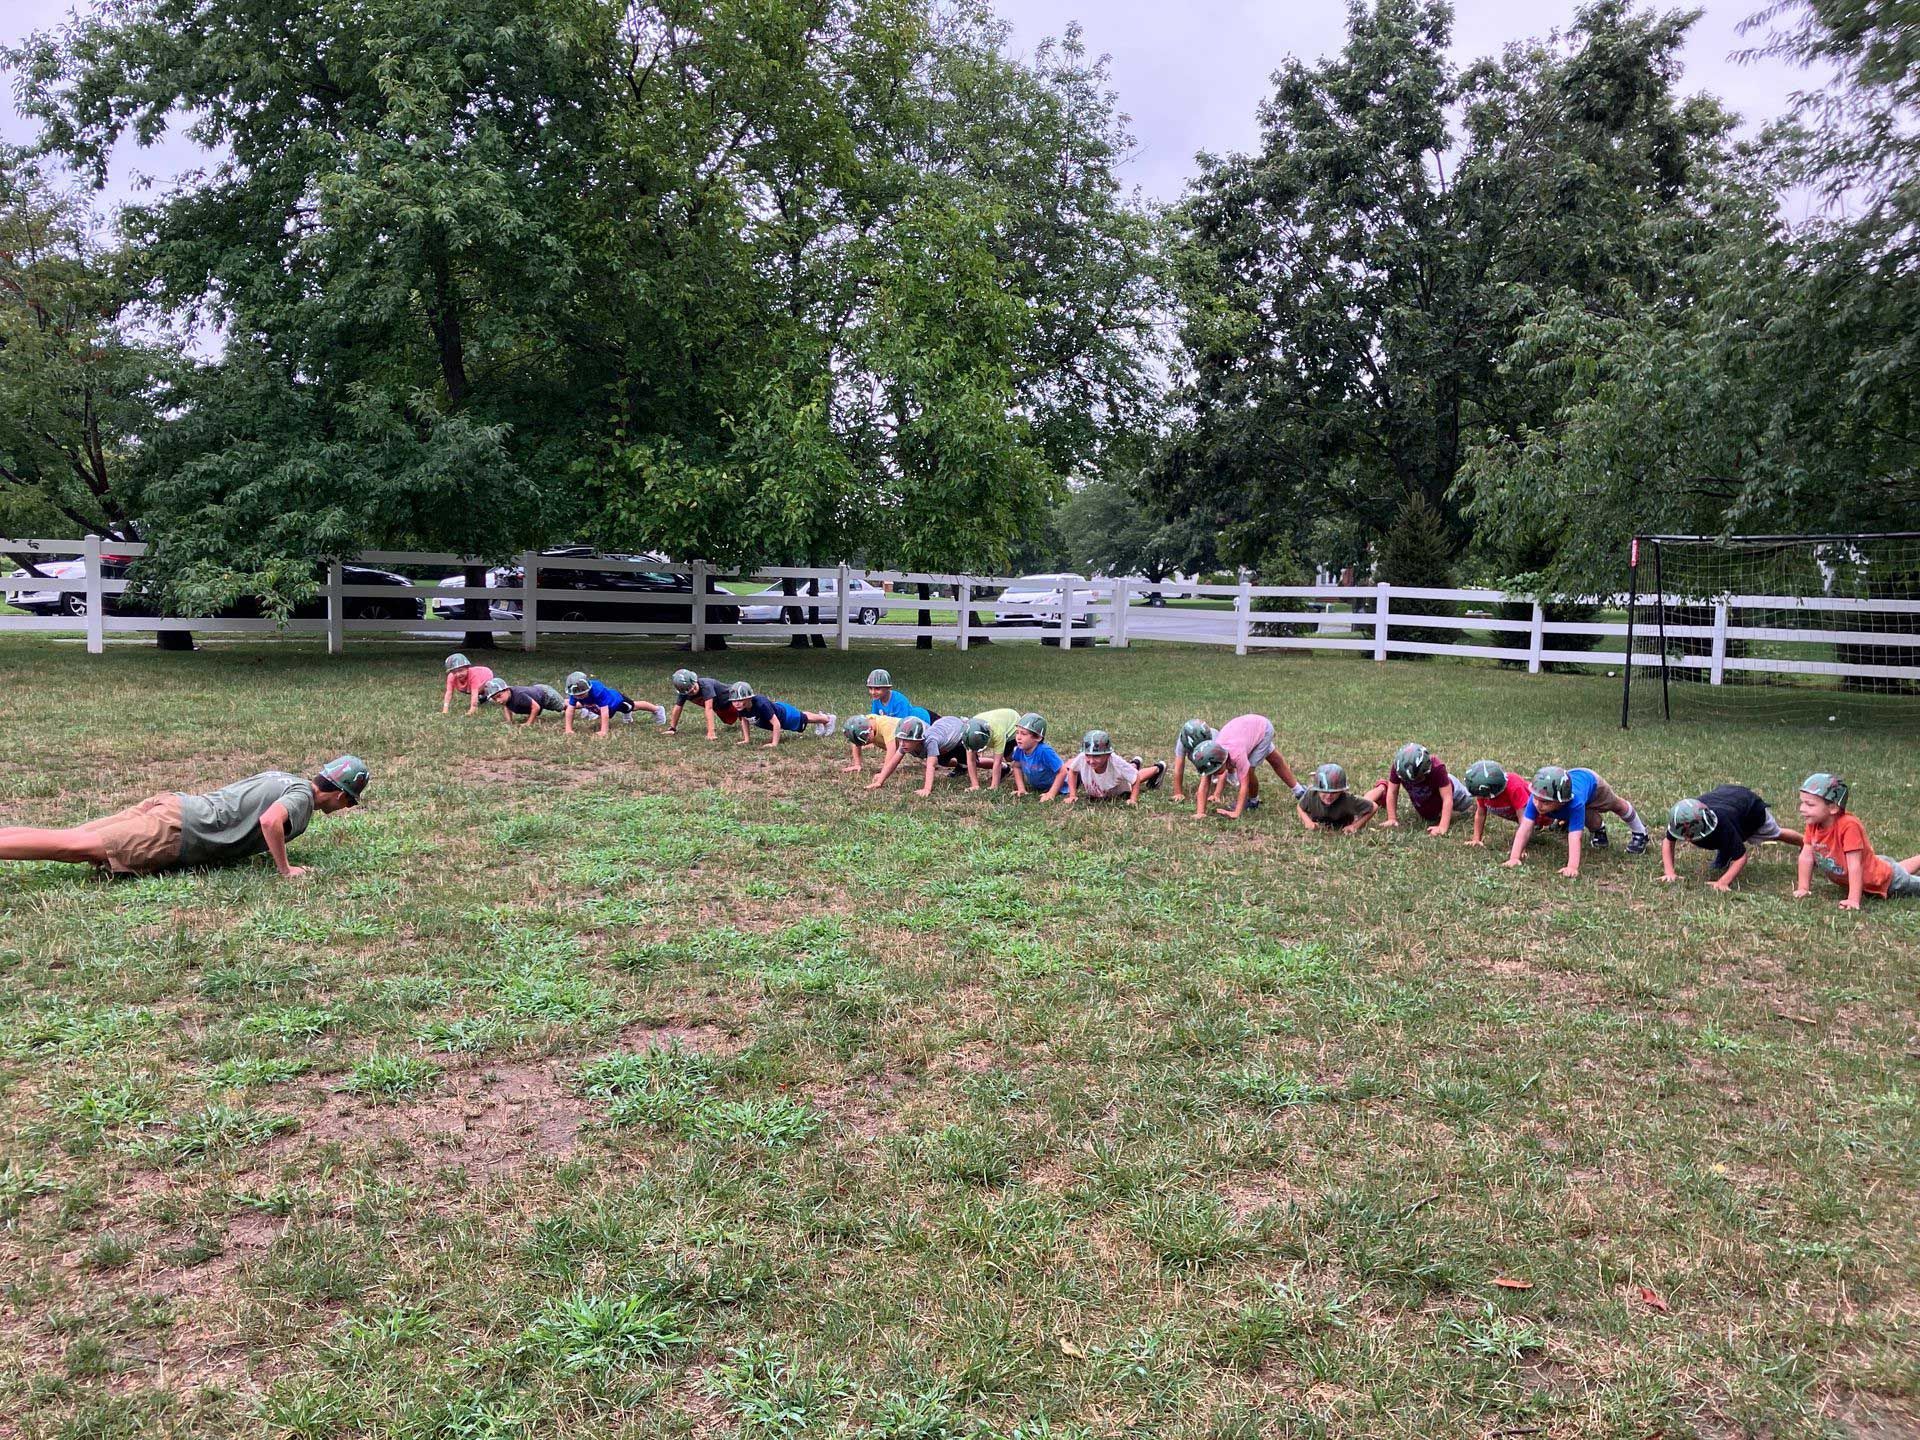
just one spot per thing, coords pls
(1637, 843)
(1139, 763)
(826, 726)
(1599, 834)
(1254, 803)
(626, 717)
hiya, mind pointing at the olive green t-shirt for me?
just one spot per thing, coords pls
(1345, 809)
(1000, 725)
(225, 823)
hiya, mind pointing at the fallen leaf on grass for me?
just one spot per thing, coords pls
(1507, 1282)
(1651, 1299)
(1067, 1347)
(1797, 1019)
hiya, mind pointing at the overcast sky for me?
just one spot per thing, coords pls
(1191, 74)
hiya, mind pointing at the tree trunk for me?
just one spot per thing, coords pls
(173, 639)
(924, 642)
(793, 614)
(819, 642)
(476, 575)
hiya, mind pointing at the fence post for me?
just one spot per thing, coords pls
(1066, 614)
(1242, 610)
(1122, 597)
(963, 592)
(96, 599)
(529, 600)
(840, 622)
(336, 610)
(1381, 602)
(1537, 638)
(698, 613)
(1719, 672)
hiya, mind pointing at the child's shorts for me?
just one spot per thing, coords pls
(1903, 886)
(1769, 828)
(1262, 748)
(142, 838)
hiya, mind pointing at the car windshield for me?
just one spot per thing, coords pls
(1039, 582)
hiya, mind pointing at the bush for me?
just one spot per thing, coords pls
(1559, 612)
(1419, 551)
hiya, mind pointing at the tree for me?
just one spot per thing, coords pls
(1109, 529)
(79, 374)
(1349, 292)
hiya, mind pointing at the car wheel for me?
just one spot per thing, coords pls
(374, 610)
(868, 616)
(574, 615)
(73, 603)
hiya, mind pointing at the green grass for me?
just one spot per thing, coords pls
(652, 1087)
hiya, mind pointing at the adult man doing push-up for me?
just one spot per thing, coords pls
(166, 832)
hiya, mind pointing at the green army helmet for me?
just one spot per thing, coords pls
(1209, 756)
(1035, 722)
(1486, 779)
(1690, 820)
(1413, 761)
(457, 661)
(1830, 788)
(492, 688)
(879, 680)
(578, 683)
(685, 682)
(1096, 742)
(911, 731)
(1553, 784)
(348, 775)
(976, 734)
(1330, 779)
(859, 729)
(1193, 733)
(740, 692)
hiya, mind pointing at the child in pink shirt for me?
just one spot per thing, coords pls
(1235, 753)
(464, 675)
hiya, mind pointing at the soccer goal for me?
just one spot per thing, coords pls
(1796, 629)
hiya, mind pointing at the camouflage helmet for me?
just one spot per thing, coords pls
(1690, 820)
(859, 729)
(1036, 722)
(348, 775)
(740, 693)
(911, 731)
(976, 734)
(578, 683)
(879, 680)
(1486, 778)
(1209, 756)
(1830, 788)
(492, 688)
(1413, 761)
(457, 661)
(685, 682)
(1192, 733)
(1553, 784)
(1096, 742)
(1330, 780)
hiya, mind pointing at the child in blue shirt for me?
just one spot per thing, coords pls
(1573, 795)
(889, 701)
(584, 692)
(1036, 764)
(775, 715)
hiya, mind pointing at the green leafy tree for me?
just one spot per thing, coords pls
(1110, 529)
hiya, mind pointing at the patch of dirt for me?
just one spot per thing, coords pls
(1877, 1417)
(492, 1120)
(868, 1108)
(704, 1036)
(1247, 1195)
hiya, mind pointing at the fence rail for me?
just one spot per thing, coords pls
(684, 601)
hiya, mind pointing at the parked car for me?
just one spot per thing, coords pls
(116, 567)
(637, 596)
(869, 603)
(499, 577)
(1037, 599)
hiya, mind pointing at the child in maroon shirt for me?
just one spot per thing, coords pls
(1436, 795)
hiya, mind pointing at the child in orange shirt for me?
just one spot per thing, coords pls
(1837, 842)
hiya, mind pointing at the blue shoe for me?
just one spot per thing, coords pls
(1598, 834)
(1637, 844)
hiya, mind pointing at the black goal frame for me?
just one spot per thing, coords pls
(1660, 591)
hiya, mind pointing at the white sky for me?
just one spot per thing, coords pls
(1189, 74)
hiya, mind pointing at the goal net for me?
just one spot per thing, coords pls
(1788, 629)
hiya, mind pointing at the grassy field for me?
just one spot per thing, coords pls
(658, 1088)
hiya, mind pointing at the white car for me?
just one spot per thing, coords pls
(1036, 600)
(869, 603)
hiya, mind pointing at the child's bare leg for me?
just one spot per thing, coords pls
(1911, 865)
(76, 846)
(1791, 837)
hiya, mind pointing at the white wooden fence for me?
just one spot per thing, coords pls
(1359, 618)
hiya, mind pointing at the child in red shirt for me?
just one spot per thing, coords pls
(1836, 842)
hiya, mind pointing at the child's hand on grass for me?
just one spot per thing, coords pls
(1390, 824)
(1801, 894)
(1572, 872)
(1511, 865)
(1436, 829)
(770, 744)
(1476, 844)
(1723, 886)
(1849, 904)
(874, 784)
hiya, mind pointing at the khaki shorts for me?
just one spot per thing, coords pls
(141, 839)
